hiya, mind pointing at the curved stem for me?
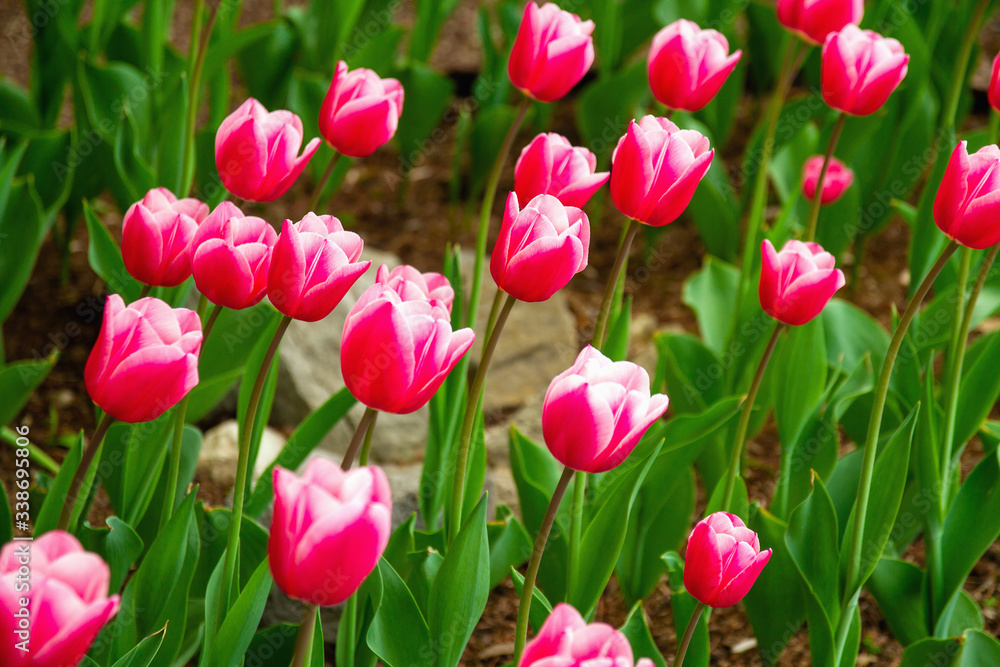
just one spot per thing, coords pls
(961, 64)
(741, 430)
(818, 195)
(953, 369)
(303, 640)
(871, 443)
(86, 459)
(359, 435)
(601, 326)
(524, 606)
(321, 184)
(489, 195)
(688, 634)
(216, 310)
(198, 48)
(173, 473)
(242, 465)
(465, 436)
(575, 529)
(367, 444)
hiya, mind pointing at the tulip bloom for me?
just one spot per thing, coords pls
(412, 285)
(540, 247)
(230, 257)
(595, 412)
(313, 264)
(565, 640)
(550, 165)
(688, 65)
(256, 152)
(967, 205)
(360, 111)
(145, 359)
(329, 529)
(813, 20)
(993, 93)
(798, 282)
(656, 168)
(156, 234)
(552, 52)
(836, 182)
(723, 560)
(860, 70)
(395, 352)
(67, 601)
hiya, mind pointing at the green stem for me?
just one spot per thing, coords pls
(144, 292)
(953, 369)
(871, 444)
(601, 326)
(482, 235)
(175, 462)
(80, 473)
(818, 195)
(304, 638)
(360, 434)
(216, 310)
(465, 436)
(350, 620)
(34, 451)
(741, 430)
(367, 444)
(521, 633)
(961, 65)
(242, 465)
(197, 49)
(321, 185)
(688, 634)
(575, 529)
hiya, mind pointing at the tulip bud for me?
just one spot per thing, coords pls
(595, 412)
(539, 248)
(723, 560)
(156, 235)
(313, 264)
(395, 352)
(860, 70)
(230, 257)
(798, 282)
(813, 20)
(360, 111)
(565, 640)
(329, 529)
(145, 359)
(837, 180)
(412, 285)
(656, 168)
(53, 621)
(256, 152)
(552, 52)
(967, 204)
(993, 93)
(687, 65)
(550, 165)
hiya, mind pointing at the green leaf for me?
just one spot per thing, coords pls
(428, 94)
(20, 233)
(273, 645)
(254, 367)
(692, 374)
(636, 630)
(56, 498)
(143, 654)
(850, 334)
(899, 588)
(241, 622)
(605, 107)
(974, 649)
(961, 614)
(18, 382)
(800, 372)
(978, 392)
(510, 545)
(399, 634)
(118, 544)
(460, 590)
(106, 258)
(682, 604)
(711, 294)
(540, 605)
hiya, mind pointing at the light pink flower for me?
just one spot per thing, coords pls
(565, 640)
(550, 165)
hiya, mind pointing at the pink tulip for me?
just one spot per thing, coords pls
(967, 205)
(395, 352)
(550, 165)
(837, 180)
(813, 20)
(313, 264)
(552, 52)
(67, 601)
(688, 65)
(539, 248)
(656, 168)
(860, 70)
(256, 152)
(993, 92)
(595, 413)
(723, 560)
(156, 233)
(565, 640)
(329, 529)
(798, 282)
(230, 257)
(412, 285)
(360, 111)
(145, 359)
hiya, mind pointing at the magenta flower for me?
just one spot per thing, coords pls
(687, 65)
(860, 70)
(550, 165)
(798, 282)
(360, 111)
(723, 560)
(837, 180)
(967, 204)
(993, 92)
(412, 285)
(156, 235)
(814, 20)
(552, 52)
(565, 640)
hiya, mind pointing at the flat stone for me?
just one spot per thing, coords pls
(220, 453)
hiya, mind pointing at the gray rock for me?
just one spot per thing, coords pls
(220, 453)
